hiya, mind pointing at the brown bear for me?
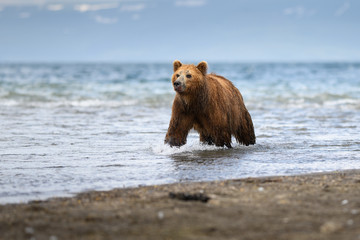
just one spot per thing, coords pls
(211, 105)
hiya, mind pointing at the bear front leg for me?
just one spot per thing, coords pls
(179, 128)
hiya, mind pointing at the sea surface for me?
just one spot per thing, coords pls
(68, 128)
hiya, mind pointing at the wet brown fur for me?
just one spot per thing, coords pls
(211, 105)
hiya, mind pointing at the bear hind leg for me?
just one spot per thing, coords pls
(223, 143)
(245, 134)
(219, 142)
(223, 139)
(206, 139)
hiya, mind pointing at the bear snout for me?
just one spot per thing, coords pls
(178, 86)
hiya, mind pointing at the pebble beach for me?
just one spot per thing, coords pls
(314, 206)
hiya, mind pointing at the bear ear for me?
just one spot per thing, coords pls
(202, 66)
(177, 64)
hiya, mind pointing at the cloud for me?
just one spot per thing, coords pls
(105, 20)
(78, 5)
(21, 3)
(136, 17)
(298, 11)
(95, 7)
(190, 3)
(24, 15)
(55, 7)
(341, 10)
(133, 7)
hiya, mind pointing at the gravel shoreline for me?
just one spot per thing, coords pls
(313, 206)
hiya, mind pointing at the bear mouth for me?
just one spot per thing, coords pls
(179, 89)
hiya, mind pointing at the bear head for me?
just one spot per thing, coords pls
(188, 77)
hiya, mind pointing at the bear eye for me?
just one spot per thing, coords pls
(177, 75)
(188, 75)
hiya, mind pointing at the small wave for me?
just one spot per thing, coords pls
(36, 100)
(192, 145)
(344, 103)
(112, 165)
(74, 103)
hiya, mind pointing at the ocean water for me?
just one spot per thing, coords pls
(67, 128)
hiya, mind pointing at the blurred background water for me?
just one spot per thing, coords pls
(67, 128)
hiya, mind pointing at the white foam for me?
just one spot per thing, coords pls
(191, 146)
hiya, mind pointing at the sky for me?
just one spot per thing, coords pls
(189, 30)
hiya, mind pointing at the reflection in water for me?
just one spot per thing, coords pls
(203, 165)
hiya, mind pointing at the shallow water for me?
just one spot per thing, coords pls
(67, 128)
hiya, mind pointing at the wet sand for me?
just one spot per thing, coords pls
(316, 206)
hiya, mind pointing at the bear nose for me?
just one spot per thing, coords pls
(176, 83)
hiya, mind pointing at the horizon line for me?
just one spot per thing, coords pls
(171, 61)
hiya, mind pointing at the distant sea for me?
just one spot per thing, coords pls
(68, 128)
